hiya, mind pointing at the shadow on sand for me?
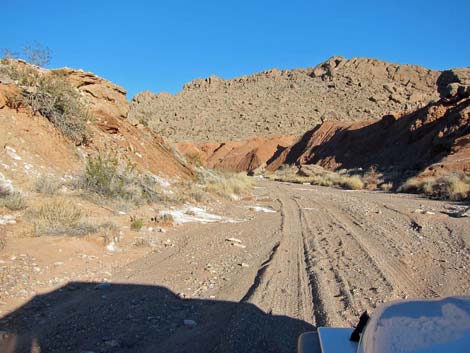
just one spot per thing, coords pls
(92, 317)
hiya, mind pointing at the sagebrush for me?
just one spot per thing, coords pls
(453, 186)
(60, 217)
(47, 184)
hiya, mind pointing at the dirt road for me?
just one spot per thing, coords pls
(255, 283)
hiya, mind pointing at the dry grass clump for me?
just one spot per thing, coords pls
(14, 201)
(60, 217)
(453, 186)
(47, 184)
(351, 182)
(225, 184)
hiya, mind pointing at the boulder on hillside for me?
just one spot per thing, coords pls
(454, 84)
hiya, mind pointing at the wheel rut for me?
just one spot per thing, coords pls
(282, 285)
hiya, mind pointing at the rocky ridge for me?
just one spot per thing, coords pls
(285, 102)
(431, 140)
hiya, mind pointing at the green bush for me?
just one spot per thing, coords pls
(116, 178)
(136, 223)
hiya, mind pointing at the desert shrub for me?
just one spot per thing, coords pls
(108, 176)
(37, 54)
(112, 177)
(34, 53)
(14, 201)
(196, 194)
(56, 99)
(136, 223)
(453, 186)
(51, 95)
(103, 175)
(9, 54)
(47, 184)
(60, 217)
(109, 232)
(23, 74)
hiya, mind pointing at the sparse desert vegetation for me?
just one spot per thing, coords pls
(109, 176)
(453, 186)
(47, 184)
(59, 216)
(136, 223)
(51, 95)
(96, 186)
(224, 183)
(318, 176)
(14, 201)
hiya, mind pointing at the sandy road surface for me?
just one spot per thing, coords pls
(322, 258)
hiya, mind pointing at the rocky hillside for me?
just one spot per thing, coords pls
(32, 145)
(430, 140)
(285, 102)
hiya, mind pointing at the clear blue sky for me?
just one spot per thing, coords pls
(158, 46)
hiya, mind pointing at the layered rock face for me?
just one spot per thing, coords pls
(238, 156)
(285, 102)
(105, 98)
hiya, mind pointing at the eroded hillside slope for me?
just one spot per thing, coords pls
(285, 102)
(431, 140)
(33, 146)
